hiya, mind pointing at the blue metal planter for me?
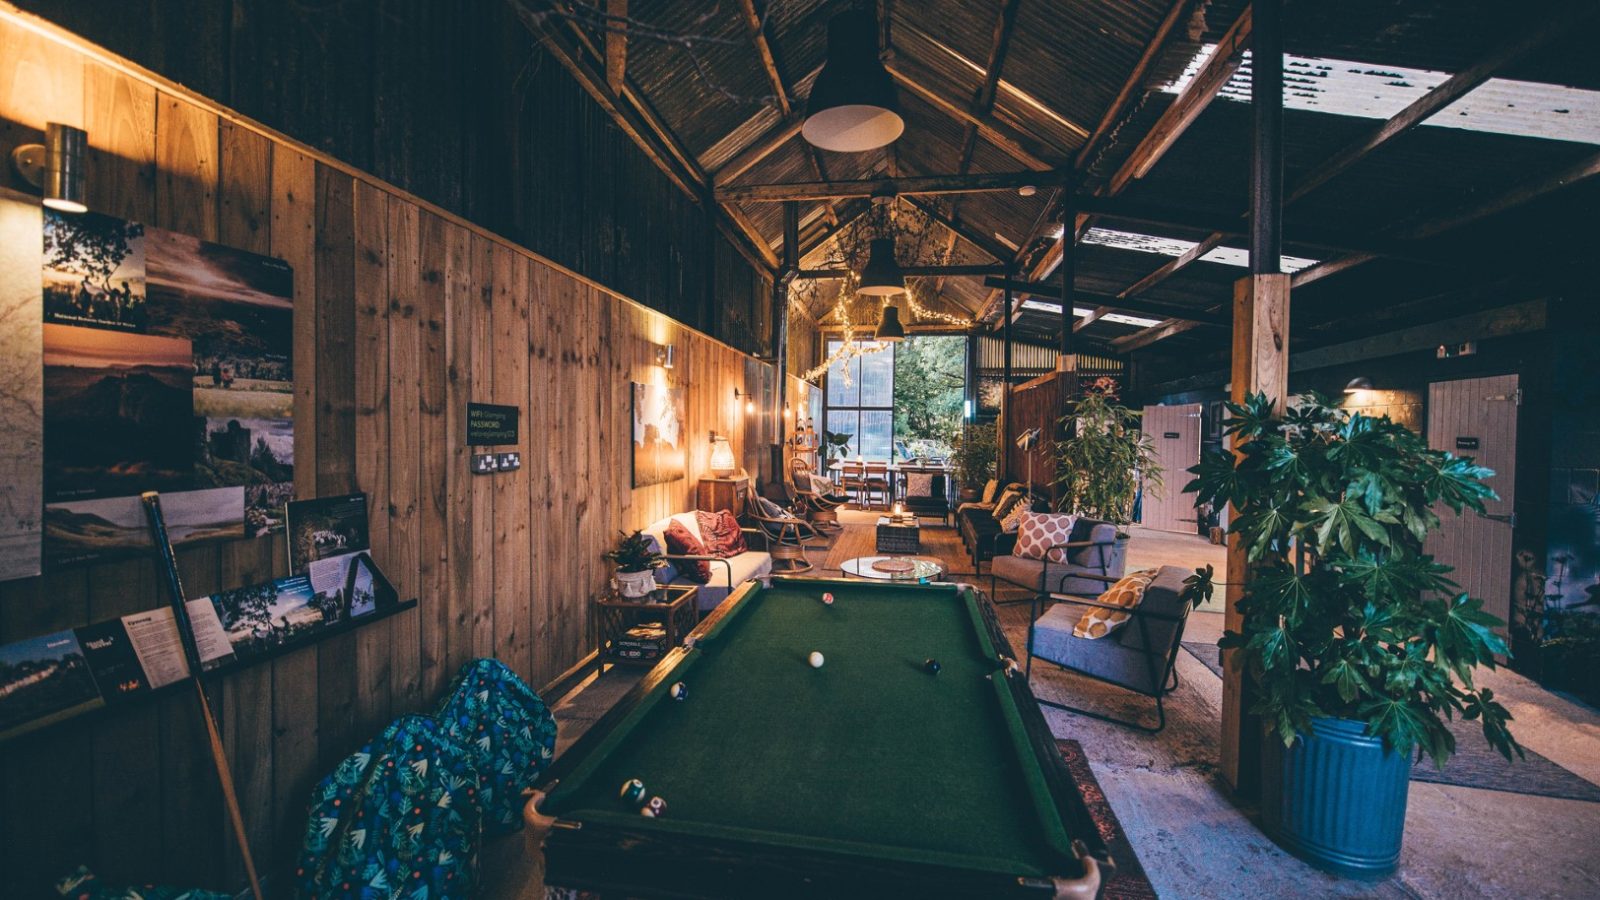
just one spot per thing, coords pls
(1336, 798)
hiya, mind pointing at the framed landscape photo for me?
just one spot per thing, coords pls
(660, 439)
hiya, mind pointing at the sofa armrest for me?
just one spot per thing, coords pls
(1137, 612)
(700, 557)
(1004, 542)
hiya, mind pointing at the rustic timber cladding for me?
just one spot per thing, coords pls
(458, 104)
(403, 314)
(1035, 404)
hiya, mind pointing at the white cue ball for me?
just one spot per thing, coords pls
(815, 659)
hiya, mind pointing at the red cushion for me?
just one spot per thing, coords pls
(681, 540)
(722, 533)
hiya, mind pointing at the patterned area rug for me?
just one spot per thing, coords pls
(1475, 764)
(1129, 882)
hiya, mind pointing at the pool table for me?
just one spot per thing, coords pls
(868, 776)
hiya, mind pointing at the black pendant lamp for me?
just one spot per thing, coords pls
(852, 106)
(881, 276)
(889, 328)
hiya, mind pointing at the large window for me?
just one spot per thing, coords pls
(898, 400)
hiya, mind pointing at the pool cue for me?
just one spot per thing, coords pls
(191, 650)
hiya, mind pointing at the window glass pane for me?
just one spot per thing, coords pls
(877, 433)
(844, 421)
(930, 373)
(840, 393)
(877, 377)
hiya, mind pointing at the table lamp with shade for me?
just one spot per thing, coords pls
(722, 463)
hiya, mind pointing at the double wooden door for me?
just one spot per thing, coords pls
(1477, 417)
(1175, 431)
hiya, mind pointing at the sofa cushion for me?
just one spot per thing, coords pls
(1103, 535)
(919, 484)
(1097, 621)
(1039, 532)
(990, 490)
(1009, 498)
(1013, 519)
(1018, 570)
(681, 541)
(723, 536)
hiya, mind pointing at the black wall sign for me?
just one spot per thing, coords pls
(1466, 443)
(488, 424)
(1171, 434)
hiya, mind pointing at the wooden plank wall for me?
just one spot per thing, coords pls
(403, 314)
(1035, 404)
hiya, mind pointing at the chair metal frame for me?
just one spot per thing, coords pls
(1160, 677)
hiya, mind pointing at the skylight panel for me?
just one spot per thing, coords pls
(1165, 246)
(1372, 91)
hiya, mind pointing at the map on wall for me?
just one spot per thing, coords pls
(167, 365)
(660, 444)
(21, 431)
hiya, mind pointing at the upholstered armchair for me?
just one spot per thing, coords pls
(1141, 655)
(1093, 553)
(934, 501)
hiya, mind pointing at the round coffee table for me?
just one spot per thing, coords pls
(919, 569)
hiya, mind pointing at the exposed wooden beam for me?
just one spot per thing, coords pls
(759, 149)
(1312, 274)
(743, 223)
(616, 44)
(1023, 148)
(983, 99)
(1136, 79)
(769, 64)
(1453, 89)
(1154, 333)
(913, 271)
(1187, 107)
(1095, 315)
(1417, 112)
(845, 221)
(978, 182)
(1172, 267)
(1048, 291)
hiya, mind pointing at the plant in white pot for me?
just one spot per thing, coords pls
(1359, 646)
(636, 563)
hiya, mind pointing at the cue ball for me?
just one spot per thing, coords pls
(932, 666)
(678, 691)
(632, 791)
(655, 809)
(827, 598)
(815, 659)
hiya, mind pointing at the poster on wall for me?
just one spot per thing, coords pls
(43, 679)
(166, 365)
(21, 389)
(660, 438)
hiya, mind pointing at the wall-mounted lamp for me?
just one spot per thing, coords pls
(749, 401)
(787, 412)
(721, 456)
(664, 356)
(55, 166)
(1359, 383)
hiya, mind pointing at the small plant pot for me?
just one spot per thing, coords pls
(636, 584)
(968, 495)
(1336, 798)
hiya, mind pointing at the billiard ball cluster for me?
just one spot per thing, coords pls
(633, 793)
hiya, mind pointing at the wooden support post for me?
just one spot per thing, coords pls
(780, 339)
(1260, 359)
(1069, 274)
(1005, 393)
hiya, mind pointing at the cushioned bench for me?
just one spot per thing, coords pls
(1093, 550)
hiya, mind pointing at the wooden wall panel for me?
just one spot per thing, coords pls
(403, 314)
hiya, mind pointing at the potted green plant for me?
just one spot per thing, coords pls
(636, 563)
(1102, 459)
(976, 450)
(1359, 647)
(835, 443)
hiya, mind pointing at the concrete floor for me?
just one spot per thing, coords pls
(1194, 842)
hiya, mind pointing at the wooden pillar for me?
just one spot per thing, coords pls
(1069, 274)
(1260, 356)
(780, 337)
(1005, 394)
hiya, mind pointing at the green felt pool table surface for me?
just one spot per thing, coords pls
(868, 755)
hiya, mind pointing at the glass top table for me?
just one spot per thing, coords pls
(894, 568)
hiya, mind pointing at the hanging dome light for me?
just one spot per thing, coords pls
(881, 276)
(889, 327)
(852, 106)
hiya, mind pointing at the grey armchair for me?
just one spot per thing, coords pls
(1141, 655)
(1094, 555)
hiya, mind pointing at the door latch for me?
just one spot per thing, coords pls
(1508, 518)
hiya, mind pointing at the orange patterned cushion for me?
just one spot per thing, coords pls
(1041, 531)
(1128, 593)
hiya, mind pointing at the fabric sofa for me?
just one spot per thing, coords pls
(979, 529)
(1100, 557)
(726, 574)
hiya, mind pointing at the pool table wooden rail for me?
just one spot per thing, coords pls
(648, 862)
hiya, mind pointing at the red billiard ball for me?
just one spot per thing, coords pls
(827, 598)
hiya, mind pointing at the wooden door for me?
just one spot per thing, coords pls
(1477, 417)
(1175, 430)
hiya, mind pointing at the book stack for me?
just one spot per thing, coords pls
(646, 640)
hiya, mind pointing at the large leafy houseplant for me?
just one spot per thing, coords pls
(975, 454)
(836, 443)
(1345, 615)
(1101, 459)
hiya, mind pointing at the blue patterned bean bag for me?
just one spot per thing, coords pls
(508, 731)
(399, 818)
(83, 885)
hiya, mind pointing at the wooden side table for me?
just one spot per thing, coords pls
(670, 609)
(715, 494)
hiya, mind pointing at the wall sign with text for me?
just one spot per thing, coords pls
(489, 424)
